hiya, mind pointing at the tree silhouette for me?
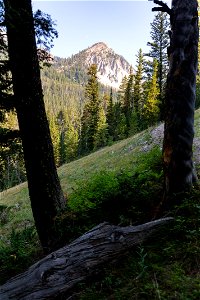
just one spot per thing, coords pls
(44, 187)
(180, 96)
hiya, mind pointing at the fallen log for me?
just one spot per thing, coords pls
(61, 270)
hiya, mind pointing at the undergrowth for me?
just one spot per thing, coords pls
(122, 198)
(165, 267)
(18, 251)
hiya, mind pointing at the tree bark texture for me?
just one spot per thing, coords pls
(60, 271)
(180, 98)
(44, 187)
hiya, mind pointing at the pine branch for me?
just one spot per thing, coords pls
(164, 7)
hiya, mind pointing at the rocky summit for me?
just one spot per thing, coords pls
(111, 67)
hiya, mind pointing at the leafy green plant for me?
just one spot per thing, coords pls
(142, 261)
(102, 186)
(123, 197)
(18, 252)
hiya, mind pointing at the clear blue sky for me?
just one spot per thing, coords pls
(123, 25)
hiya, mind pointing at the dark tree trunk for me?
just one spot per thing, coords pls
(180, 96)
(60, 272)
(44, 187)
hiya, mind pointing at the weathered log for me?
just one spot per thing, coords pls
(61, 270)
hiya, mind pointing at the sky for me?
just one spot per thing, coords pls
(123, 25)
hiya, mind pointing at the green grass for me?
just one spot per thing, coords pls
(120, 156)
(121, 184)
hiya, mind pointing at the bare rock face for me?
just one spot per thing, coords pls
(111, 66)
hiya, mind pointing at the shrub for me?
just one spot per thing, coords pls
(121, 198)
(18, 252)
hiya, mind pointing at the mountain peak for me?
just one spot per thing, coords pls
(111, 67)
(97, 47)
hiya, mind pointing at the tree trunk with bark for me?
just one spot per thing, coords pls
(180, 96)
(44, 187)
(58, 273)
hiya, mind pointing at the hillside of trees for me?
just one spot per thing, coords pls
(135, 106)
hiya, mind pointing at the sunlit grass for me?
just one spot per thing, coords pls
(120, 156)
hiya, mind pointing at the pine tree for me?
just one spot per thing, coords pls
(70, 142)
(122, 90)
(55, 136)
(159, 44)
(138, 88)
(128, 101)
(110, 117)
(60, 119)
(151, 93)
(101, 136)
(120, 128)
(68, 135)
(89, 120)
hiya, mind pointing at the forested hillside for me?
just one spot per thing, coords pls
(137, 104)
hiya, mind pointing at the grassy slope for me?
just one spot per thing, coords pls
(160, 269)
(121, 155)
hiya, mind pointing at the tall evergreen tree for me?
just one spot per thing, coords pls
(159, 44)
(128, 101)
(89, 121)
(120, 128)
(122, 90)
(151, 93)
(68, 135)
(138, 87)
(44, 187)
(55, 136)
(101, 136)
(110, 117)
